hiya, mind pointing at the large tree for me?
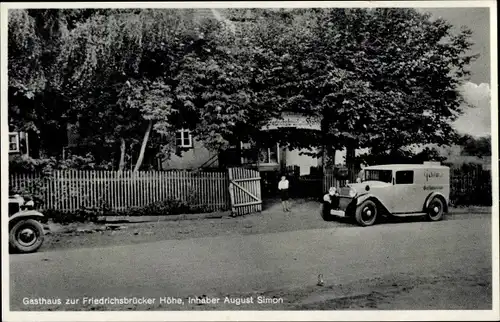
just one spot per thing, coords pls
(36, 103)
(387, 78)
(251, 77)
(242, 83)
(124, 72)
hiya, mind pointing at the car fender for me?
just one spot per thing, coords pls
(27, 214)
(360, 199)
(431, 196)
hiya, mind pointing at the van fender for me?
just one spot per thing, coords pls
(33, 214)
(366, 196)
(436, 194)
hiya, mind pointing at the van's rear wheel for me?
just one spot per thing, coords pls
(435, 210)
(366, 213)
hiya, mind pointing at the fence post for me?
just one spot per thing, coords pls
(231, 190)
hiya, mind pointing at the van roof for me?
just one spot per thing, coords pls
(405, 166)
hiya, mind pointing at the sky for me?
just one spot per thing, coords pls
(475, 121)
(477, 20)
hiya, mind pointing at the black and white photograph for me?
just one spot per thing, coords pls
(249, 161)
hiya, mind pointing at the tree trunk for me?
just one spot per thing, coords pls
(121, 166)
(331, 152)
(350, 162)
(143, 146)
(328, 158)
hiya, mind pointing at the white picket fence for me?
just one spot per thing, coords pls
(71, 190)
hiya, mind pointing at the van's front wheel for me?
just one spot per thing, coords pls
(366, 213)
(435, 211)
(325, 212)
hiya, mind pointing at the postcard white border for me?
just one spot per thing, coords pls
(427, 315)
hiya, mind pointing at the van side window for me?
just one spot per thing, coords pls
(404, 177)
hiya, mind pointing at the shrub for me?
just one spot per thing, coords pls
(34, 189)
(81, 215)
(160, 208)
(23, 164)
(165, 207)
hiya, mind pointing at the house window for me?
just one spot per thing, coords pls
(262, 155)
(248, 154)
(13, 142)
(404, 177)
(268, 155)
(184, 139)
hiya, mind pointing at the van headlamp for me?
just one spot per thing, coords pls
(352, 192)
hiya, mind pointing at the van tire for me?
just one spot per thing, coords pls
(366, 213)
(324, 215)
(435, 210)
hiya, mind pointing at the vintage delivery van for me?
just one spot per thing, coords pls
(394, 189)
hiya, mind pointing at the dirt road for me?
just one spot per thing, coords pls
(304, 215)
(410, 265)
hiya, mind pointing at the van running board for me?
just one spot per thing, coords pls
(411, 214)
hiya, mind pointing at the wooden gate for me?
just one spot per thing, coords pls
(244, 190)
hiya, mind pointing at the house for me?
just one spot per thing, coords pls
(194, 154)
(268, 157)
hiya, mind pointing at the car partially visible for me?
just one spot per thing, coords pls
(26, 233)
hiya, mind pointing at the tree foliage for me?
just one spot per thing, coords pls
(36, 103)
(26, 76)
(386, 78)
(472, 146)
(378, 78)
(400, 156)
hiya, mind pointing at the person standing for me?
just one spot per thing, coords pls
(283, 189)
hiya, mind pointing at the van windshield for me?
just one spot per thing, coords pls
(378, 175)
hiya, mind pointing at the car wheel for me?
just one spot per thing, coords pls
(366, 213)
(26, 236)
(435, 210)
